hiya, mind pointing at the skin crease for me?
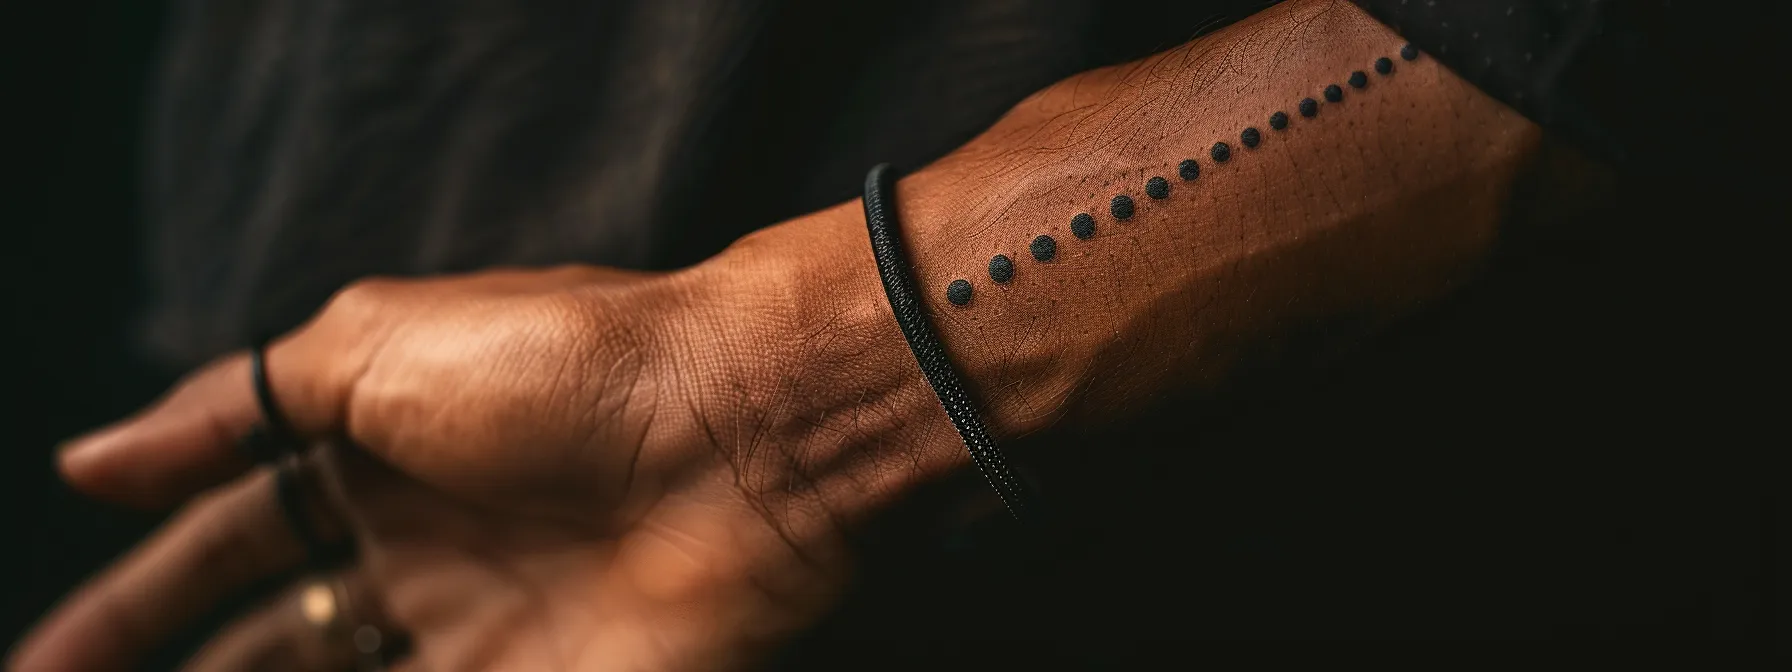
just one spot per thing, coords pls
(592, 469)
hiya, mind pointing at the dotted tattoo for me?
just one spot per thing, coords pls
(1001, 268)
(1157, 188)
(959, 292)
(1121, 207)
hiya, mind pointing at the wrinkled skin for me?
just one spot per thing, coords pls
(532, 495)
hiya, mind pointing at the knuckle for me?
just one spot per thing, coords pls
(363, 297)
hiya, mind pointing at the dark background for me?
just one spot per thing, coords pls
(76, 75)
(1572, 449)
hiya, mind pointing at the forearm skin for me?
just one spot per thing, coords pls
(1380, 201)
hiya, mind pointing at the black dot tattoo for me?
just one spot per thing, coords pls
(1188, 169)
(959, 292)
(1121, 207)
(1157, 188)
(1044, 248)
(1082, 226)
(1001, 268)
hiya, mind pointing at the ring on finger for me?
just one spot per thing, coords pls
(327, 606)
(273, 437)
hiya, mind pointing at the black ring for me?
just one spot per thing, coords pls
(264, 392)
(289, 491)
(273, 436)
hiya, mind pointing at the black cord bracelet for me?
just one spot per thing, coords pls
(892, 267)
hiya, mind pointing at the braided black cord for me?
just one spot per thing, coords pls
(892, 267)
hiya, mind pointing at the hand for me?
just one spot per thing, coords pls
(733, 421)
(561, 470)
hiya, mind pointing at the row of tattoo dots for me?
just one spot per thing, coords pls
(1044, 248)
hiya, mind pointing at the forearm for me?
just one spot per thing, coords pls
(1377, 202)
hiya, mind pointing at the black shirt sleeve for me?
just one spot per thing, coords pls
(1594, 72)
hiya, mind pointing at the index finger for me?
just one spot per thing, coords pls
(189, 439)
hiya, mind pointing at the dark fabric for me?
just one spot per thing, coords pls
(300, 144)
(1601, 73)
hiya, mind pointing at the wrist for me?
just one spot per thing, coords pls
(814, 393)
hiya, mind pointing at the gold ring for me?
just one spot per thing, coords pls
(324, 603)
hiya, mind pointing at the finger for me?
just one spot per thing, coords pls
(188, 440)
(129, 461)
(216, 547)
(323, 623)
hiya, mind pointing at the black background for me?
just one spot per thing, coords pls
(1574, 448)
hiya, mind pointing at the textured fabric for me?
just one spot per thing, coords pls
(1586, 70)
(300, 144)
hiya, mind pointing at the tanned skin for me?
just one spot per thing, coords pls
(593, 469)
